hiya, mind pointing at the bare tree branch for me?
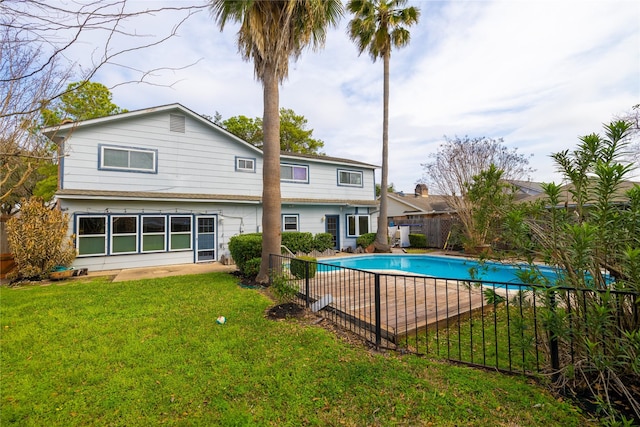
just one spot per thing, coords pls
(38, 41)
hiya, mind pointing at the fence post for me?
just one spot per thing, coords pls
(553, 340)
(377, 308)
(306, 282)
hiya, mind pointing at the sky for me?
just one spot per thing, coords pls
(538, 74)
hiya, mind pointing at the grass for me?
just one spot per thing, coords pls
(504, 338)
(149, 352)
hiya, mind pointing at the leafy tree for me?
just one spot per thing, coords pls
(491, 198)
(38, 240)
(294, 135)
(245, 128)
(459, 160)
(590, 229)
(82, 100)
(390, 189)
(377, 27)
(270, 33)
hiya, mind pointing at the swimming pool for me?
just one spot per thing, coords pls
(437, 266)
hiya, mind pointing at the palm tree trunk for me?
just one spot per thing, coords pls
(271, 198)
(382, 240)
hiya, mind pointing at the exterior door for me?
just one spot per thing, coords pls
(206, 238)
(332, 226)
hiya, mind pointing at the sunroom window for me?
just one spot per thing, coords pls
(91, 236)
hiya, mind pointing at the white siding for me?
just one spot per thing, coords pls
(202, 160)
(199, 161)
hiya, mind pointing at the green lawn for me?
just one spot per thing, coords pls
(149, 352)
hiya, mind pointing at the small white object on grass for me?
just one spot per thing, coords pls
(221, 320)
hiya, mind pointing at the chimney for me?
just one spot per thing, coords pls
(422, 190)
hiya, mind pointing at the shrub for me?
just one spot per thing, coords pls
(366, 239)
(322, 242)
(38, 240)
(297, 241)
(252, 267)
(298, 266)
(282, 289)
(418, 240)
(245, 247)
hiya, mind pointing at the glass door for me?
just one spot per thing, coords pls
(332, 226)
(206, 238)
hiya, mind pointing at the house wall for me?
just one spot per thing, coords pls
(230, 219)
(200, 161)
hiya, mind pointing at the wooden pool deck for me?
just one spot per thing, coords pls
(408, 304)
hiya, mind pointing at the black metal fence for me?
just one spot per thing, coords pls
(517, 328)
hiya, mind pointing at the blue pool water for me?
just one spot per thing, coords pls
(436, 266)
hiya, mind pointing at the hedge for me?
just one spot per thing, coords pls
(418, 240)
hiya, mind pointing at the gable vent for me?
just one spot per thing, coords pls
(176, 123)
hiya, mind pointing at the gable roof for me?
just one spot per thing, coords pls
(566, 197)
(418, 205)
(50, 132)
(525, 188)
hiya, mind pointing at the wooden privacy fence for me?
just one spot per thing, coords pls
(436, 229)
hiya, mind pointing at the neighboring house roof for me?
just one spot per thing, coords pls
(64, 128)
(154, 196)
(419, 205)
(567, 199)
(525, 188)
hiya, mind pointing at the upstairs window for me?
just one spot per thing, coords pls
(244, 164)
(350, 178)
(127, 159)
(294, 173)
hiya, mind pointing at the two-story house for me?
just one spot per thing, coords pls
(165, 185)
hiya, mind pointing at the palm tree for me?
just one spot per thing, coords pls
(377, 26)
(271, 32)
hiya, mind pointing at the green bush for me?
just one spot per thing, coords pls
(418, 240)
(252, 267)
(282, 289)
(366, 239)
(322, 242)
(297, 241)
(38, 240)
(245, 247)
(298, 266)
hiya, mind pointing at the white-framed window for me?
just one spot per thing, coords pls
(357, 225)
(180, 232)
(124, 234)
(290, 222)
(349, 178)
(245, 164)
(154, 233)
(127, 159)
(294, 173)
(91, 235)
